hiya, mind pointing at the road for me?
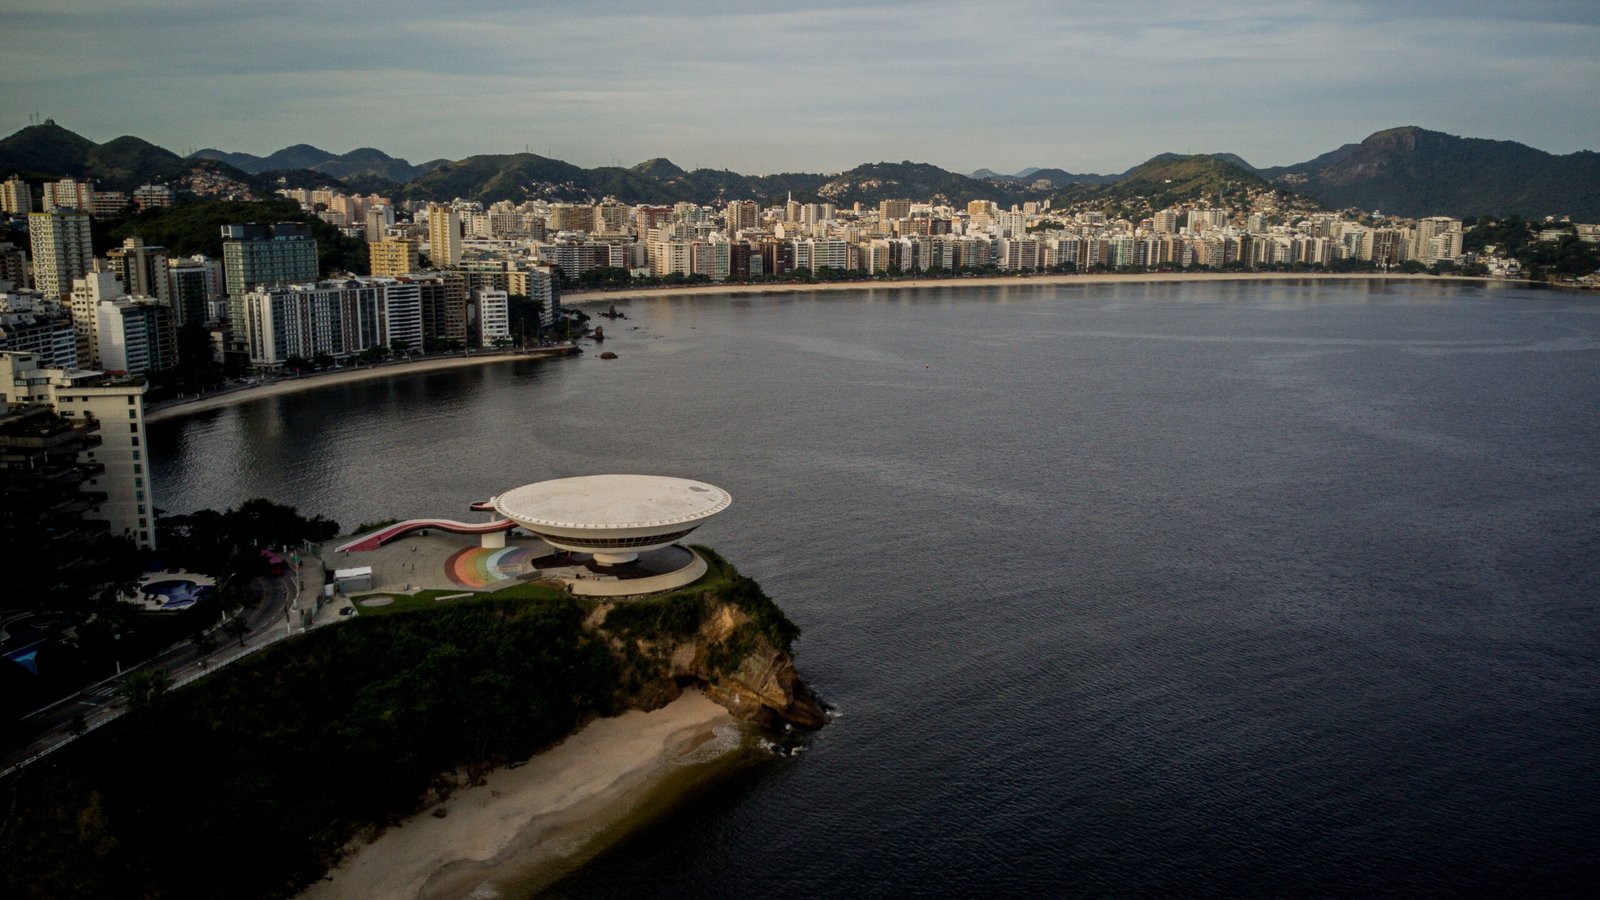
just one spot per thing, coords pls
(99, 702)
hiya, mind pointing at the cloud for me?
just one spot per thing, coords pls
(763, 87)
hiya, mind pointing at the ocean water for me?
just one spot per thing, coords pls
(1196, 589)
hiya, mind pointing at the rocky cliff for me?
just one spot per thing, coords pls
(723, 634)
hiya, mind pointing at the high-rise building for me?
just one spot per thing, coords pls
(117, 463)
(15, 196)
(136, 336)
(254, 255)
(379, 217)
(814, 213)
(393, 257)
(195, 283)
(444, 235)
(742, 214)
(571, 217)
(444, 306)
(50, 527)
(68, 194)
(152, 196)
(107, 204)
(494, 316)
(41, 328)
(94, 288)
(538, 284)
(889, 210)
(62, 250)
(143, 269)
(646, 217)
(611, 218)
(340, 318)
(1429, 246)
(711, 258)
(13, 267)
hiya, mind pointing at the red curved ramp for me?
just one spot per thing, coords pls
(399, 529)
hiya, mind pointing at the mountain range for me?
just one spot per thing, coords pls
(1406, 171)
(121, 164)
(1415, 172)
(363, 162)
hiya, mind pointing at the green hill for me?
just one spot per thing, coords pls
(372, 166)
(916, 181)
(491, 177)
(1412, 171)
(1169, 179)
(190, 228)
(48, 151)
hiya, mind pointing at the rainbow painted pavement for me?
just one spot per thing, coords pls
(482, 567)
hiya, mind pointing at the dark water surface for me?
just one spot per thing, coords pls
(1202, 589)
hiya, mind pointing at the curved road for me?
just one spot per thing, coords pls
(100, 702)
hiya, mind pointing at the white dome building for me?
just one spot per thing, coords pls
(613, 517)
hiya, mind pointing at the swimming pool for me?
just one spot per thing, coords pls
(175, 593)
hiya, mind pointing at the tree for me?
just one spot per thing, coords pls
(144, 689)
(323, 360)
(203, 642)
(400, 346)
(236, 628)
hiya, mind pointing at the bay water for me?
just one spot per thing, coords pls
(1188, 589)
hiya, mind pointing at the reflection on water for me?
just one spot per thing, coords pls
(1183, 589)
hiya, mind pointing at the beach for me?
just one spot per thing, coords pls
(225, 398)
(555, 808)
(1002, 281)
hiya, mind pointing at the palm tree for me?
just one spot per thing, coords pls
(145, 688)
(235, 627)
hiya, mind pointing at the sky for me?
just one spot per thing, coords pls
(762, 87)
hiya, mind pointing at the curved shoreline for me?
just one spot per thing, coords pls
(222, 399)
(650, 293)
(558, 807)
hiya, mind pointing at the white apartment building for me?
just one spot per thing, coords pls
(340, 318)
(135, 336)
(88, 292)
(494, 316)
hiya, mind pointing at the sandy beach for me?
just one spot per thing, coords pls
(328, 379)
(552, 808)
(1001, 281)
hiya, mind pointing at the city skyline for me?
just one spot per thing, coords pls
(821, 89)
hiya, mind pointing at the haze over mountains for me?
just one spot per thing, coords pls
(1406, 171)
(361, 162)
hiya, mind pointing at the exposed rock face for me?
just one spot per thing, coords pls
(724, 638)
(767, 686)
